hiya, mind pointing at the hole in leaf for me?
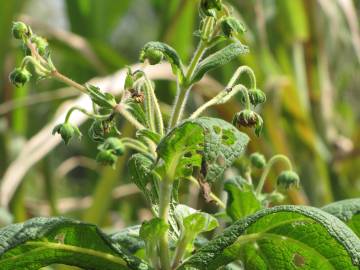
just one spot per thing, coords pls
(217, 129)
(298, 260)
(220, 160)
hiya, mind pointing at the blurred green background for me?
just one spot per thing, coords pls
(305, 54)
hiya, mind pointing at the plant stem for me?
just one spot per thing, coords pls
(183, 90)
(165, 196)
(157, 112)
(128, 116)
(92, 115)
(180, 250)
(57, 75)
(267, 169)
(239, 72)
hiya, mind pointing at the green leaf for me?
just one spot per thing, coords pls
(283, 238)
(218, 59)
(43, 241)
(104, 100)
(148, 134)
(194, 222)
(129, 238)
(209, 144)
(140, 168)
(153, 229)
(241, 200)
(171, 56)
(348, 211)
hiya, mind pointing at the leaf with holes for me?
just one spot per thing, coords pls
(43, 241)
(348, 211)
(282, 238)
(241, 200)
(209, 144)
(218, 59)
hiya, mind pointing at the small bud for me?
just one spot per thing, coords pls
(137, 96)
(231, 27)
(19, 76)
(275, 196)
(106, 157)
(154, 56)
(258, 160)
(114, 145)
(288, 179)
(209, 7)
(41, 45)
(20, 30)
(129, 79)
(67, 131)
(256, 96)
(250, 119)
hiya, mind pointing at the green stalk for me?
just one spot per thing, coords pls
(91, 115)
(267, 169)
(180, 250)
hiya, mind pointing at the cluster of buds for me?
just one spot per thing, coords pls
(36, 50)
(109, 151)
(67, 131)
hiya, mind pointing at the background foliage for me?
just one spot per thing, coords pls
(305, 54)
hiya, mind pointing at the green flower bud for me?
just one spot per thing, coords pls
(41, 44)
(129, 80)
(106, 157)
(114, 145)
(288, 179)
(152, 55)
(209, 7)
(19, 76)
(250, 119)
(231, 27)
(258, 160)
(67, 131)
(20, 30)
(257, 96)
(275, 196)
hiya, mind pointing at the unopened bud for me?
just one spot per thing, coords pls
(288, 179)
(256, 96)
(106, 157)
(20, 30)
(209, 7)
(231, 27)
(114, 145)
(67, 131)
(154, 56)
(258, 160)
(19, 76)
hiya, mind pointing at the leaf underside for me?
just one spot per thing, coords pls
(209, 144)
(40, 242)
(282, 238)
(348, 211)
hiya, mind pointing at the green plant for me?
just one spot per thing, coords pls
(198, 149)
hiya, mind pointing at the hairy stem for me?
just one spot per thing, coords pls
(239, 72)
(60, 77)
(92, 115)
(267, 169)
(128, 116)
(157, 112)
(180, 250)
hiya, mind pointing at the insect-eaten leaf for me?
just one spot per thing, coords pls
(282, 238)
(242, 200)
(40, 242)
(348, 211)
(208, 144)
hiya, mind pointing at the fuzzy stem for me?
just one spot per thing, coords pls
(180, 250)
(267, 169)
(60, 77)
(239, 72)
(157, 111)
(96, 116)
(128, 116)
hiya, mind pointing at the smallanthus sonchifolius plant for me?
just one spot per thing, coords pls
(197, 149)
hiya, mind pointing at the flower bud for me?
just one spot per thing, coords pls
(41, 45)
(209, 7)
(275, 196)
(250, 119)
(114, 145)
(154, 56)
(106, 157)
(231, 27)
(19, 76)
(20, 30)
(67, 131)
(256, 96)
(288, 179)
(258, 160)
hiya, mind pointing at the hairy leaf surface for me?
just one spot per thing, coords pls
(283, 238)
(218, 59)
(43, 241)
(209, 144)
(348, 211)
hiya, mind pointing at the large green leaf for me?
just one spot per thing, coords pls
(209, 144)
(43, 241)
(348, 211)
(218, 59)
(283, 238)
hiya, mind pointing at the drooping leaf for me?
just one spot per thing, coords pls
(241, 200)
(171, 56)
(209, 144)
(140, 168)
(282, 238)
(348, 211)
(43, 241)
(218, 59)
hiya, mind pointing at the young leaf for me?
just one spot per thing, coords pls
(241, 200)
(218, 59)
(283, 237)
(148, 134)
(155, 48)
(104, 100)
(43, 241)
(348, 211)
(129, 238)
(151, 230)
(209, 144)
